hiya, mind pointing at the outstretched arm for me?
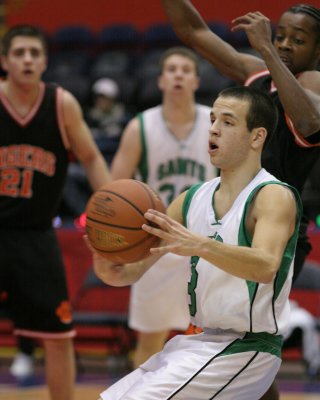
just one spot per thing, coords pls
(194, 32)
(271, 222)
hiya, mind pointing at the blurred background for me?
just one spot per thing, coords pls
(106, 53)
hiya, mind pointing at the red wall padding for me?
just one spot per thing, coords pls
(96, 14)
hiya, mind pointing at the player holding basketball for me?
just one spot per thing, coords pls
(165, 147)
(239, 232)
(286, 71)
(40, 124)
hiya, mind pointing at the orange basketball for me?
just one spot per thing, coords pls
(115, 214)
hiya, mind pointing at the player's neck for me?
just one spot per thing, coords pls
(21, 97)
(233, 180)
(180, 120)
(231, 185)
(179, 112)
(27, 91)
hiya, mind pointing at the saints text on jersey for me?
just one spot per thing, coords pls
(181, 166)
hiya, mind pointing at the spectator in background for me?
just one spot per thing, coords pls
(108, 116)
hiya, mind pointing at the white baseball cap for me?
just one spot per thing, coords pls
(106, 87)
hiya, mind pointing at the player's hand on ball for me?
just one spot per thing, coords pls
(175, 237)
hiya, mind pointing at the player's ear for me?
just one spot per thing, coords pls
(258, 137)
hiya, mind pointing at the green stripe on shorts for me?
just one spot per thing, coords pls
(263, 342)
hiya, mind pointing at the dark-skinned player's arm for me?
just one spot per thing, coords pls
(194, 32)
(305, 113)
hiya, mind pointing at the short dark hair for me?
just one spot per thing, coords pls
(262, 110)
(182, 51)
(307, 9)
(22, 30)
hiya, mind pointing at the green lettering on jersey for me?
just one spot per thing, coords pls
(217, 237)
(182, 166)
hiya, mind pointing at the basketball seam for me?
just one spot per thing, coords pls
(147, 190)
(122, 198)
(133, 245)
(114, 226)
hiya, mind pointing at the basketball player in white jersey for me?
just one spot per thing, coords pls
(165, 146)
(239, 232)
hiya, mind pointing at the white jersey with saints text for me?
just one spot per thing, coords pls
(170, 166)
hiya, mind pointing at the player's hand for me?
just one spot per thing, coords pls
(102, 267)
(175, 237)
(257, 27)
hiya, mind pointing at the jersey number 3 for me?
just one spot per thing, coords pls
(192, 286)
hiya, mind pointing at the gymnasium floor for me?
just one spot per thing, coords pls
(96, 372)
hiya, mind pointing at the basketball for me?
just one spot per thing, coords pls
(114, 219)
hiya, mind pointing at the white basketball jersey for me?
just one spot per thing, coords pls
(169, 165)
(218, 299)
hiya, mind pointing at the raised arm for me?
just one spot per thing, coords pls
(272, 221)
(300, 97)
(82, 143)
(194, 32)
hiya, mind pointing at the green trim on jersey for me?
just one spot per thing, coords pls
(143, 163)
(245, 239)
(261, 341)
(187, 200)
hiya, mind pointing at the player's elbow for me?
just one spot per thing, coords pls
(185, 34)
(307, 127)
(269, 270)
(188, 33)
(91, 157)
(266, 278)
